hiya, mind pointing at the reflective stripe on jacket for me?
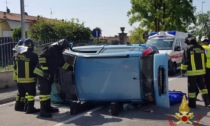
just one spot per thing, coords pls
(207, 52)
(26, 63)
(194, 60)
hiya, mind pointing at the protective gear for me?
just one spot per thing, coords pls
(19, 43)
(207, 75)
(43, 111)
(193, 62)
(63, 44)
(26, 63)
(19, 105)
(30, 108)
(26, 79)
(29, 43)
(190, 40)
(50, 60)
(50, 108)
(204, 39)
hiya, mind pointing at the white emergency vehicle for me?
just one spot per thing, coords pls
(172, 43)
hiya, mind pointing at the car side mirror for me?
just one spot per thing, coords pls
(177, 48)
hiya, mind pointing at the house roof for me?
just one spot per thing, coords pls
(16, 17)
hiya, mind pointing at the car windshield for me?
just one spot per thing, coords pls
(161, 44)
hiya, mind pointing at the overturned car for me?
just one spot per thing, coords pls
(114, 74)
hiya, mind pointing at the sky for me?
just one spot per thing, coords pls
(109, 15)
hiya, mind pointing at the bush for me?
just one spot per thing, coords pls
(56, 29)
(16, 33)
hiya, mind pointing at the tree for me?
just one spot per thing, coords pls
(136, 36)
(162, 15)
(71, 30)
(16, 33)
(202, 25)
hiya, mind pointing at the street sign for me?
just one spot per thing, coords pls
(96, 32)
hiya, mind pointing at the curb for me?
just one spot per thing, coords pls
(6, 100)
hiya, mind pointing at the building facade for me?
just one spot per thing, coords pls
(9, 21)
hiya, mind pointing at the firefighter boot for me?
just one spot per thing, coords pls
(19, 105)
(50, 108)
(30, 108)
(43, 112)
(192, 103)
(206, 100)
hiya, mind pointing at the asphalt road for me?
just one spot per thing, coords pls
(144, 116)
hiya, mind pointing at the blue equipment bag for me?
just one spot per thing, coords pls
(54, 94)
(175, 97)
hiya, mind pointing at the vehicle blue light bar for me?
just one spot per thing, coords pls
(172, 32)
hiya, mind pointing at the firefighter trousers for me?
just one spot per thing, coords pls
(45, 85)
(207, 81)
(194, 83)
(21, 90)
(29, 88)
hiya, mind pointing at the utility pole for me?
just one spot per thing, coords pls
(202, 6)
(6, 4)
(51, 13)
(22, 19)
(202, 17)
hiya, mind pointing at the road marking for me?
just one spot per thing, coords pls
(174, 78)
(77, 117)
(10, 103)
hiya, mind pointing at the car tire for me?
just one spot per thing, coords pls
(115, 109)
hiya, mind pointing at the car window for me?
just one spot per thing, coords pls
(161, 44)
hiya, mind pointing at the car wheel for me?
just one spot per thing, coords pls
(115, 109)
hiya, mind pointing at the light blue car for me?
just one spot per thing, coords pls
(115, 74)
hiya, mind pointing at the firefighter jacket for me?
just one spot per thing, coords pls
(207, 51)
(194, 60)
(50, 60)
(26, 62)
(15, 67)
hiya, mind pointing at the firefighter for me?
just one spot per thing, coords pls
(193, 62)
(26, 62)
(20, 98)
(205, 43)
(50, 59)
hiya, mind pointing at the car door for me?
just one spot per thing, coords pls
(160, 70)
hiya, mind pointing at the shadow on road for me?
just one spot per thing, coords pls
(8, 89)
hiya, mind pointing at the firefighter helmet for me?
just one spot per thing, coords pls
(20, 42)
(63, 43)
(190, 39)
(29, 43)
(204, 39)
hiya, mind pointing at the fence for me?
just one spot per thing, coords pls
(6, 52)
(7, 44)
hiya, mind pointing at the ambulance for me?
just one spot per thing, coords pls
(172, 43)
